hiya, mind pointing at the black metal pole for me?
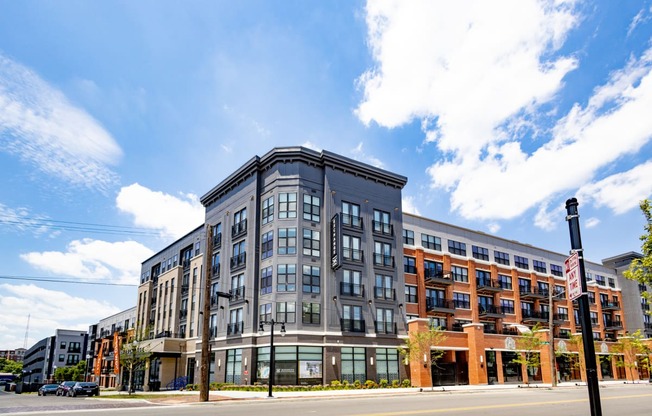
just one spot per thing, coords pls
(585, 316)
(271, 360)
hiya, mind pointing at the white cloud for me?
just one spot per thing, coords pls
(310, 145)
(359, 154)
(476, 75)
(43, 128)
(592, 222)
(175, 216)
(48, 310)
(94, 260)
(641, 17)
(20, 219)
(409, 206)
(493, 227)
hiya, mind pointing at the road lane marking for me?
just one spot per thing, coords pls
(498, 406)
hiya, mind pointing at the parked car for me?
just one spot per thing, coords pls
(85, 388)
(46, 389)
(64, 388)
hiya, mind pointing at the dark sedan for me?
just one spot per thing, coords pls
(46, 389)
(84, 388)
(64, 388)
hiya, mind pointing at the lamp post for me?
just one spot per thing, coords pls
(272, 362)
(551, 343)
(88, 357)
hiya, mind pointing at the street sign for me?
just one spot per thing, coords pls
(572, 266)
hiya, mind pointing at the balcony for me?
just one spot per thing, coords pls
(183, 313)
(383, 260)
(610, 306)
(491, 311)
(613, 325)
(437, 305)
(238, 261)
(437, 277)
(488, 286)
(186, 264)
(352, 221)
(509, 330)
(212, 331)
(168, 334)
(217, 241)
(235, 328)
(385, 327)
(239, 229)
(184, 290)
(353, 255)
(528, 292)
(534, 316)
(560, 318)
(351, 289)
(153, 300)
(386, 293)
(352, 325)
(215, 269)
(237, 294)
(383, 228)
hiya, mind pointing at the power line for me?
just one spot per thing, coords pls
(78, 226)
(63, 280)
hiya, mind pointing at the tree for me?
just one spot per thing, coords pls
(641, 269)
(10, 366)
(133, 357)
(71, 373)
(530, 343)
(419, 346)
(630, 347)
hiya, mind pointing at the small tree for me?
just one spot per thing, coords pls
(10, 366)
(133, 357)
(530, 343)
(641, 269)
(631, 347)
(71, 373)
(421, 344)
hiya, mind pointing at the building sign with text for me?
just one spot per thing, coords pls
(336, 246)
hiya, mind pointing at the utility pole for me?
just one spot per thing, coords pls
(551, 339)
(206, 310)
(573, 219)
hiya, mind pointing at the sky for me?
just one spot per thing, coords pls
(117, 116)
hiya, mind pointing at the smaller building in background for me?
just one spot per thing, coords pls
(13, 355)
(65, 349)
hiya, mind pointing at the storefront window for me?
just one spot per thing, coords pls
(387, 364)
(353, 364)
(234, 366)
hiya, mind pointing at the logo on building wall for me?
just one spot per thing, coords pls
(336, 246)
(510, 344)
(561, 346)
(604, 349)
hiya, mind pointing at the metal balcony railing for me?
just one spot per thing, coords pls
(351, 289)
(352, 325)
(235, 328)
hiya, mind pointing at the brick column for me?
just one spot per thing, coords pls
(544, 355)
(421, 283)
(420, 375)
(477, 368)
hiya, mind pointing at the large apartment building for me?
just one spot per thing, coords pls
(317, 246)
(65, 348)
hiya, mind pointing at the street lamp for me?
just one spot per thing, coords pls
(272, 363)
(88, 357)
(551, 339)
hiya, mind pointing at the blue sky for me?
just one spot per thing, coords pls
(116, 116)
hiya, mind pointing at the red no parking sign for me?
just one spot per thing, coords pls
(572, 266)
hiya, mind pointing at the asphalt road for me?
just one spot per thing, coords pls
(629, 400)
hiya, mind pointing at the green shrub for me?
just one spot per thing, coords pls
(357, 384)
(406, 383)
(395, 383)
(345, 384)
(336, 383)
(383, 383)
(370, 384)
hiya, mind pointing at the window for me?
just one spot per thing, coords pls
(351, 248)
(352, 319)
(455, 247)
(612, 282)
(594, 318)
(311, 242)
(384, 321)
(236, 325)
(354, 363)
(408, 237)
(267, 246)
(543, 288)
(286, 312)
(311, 279)
(383, 254)
(437, 322)
(562, 314)
(311, 206)
(556, 270)
(286, 277)
(505, 281)
(431, 242)
(237, 287)
(75, 346)
(527, 309)
(266, 280)
(480, 253)
(387, 364)
(239, 254)
(560, 292)
(435, 298)
(539, 266)
(62, 345)
(501, 258)
(268, 210)
(507, 305)
(234, 366)
(599, 279)
(381, 223)
(433, 268)
(287, 205)
(217, 236)
(351, 283)
(239, 222)
(483, 278)
(460, 274)
(72, 359)
(62, 357)
(486, 303)
(287, 241)
(524, 285)
(311, 313)
(521, 262)
(265, 313)
(409, 265)
(462, 300)
(591, 297)
(411, 294)
(351, 215)
(384, 288)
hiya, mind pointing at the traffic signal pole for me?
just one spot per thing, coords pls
(573, 219)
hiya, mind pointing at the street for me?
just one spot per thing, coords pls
(630, 399)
